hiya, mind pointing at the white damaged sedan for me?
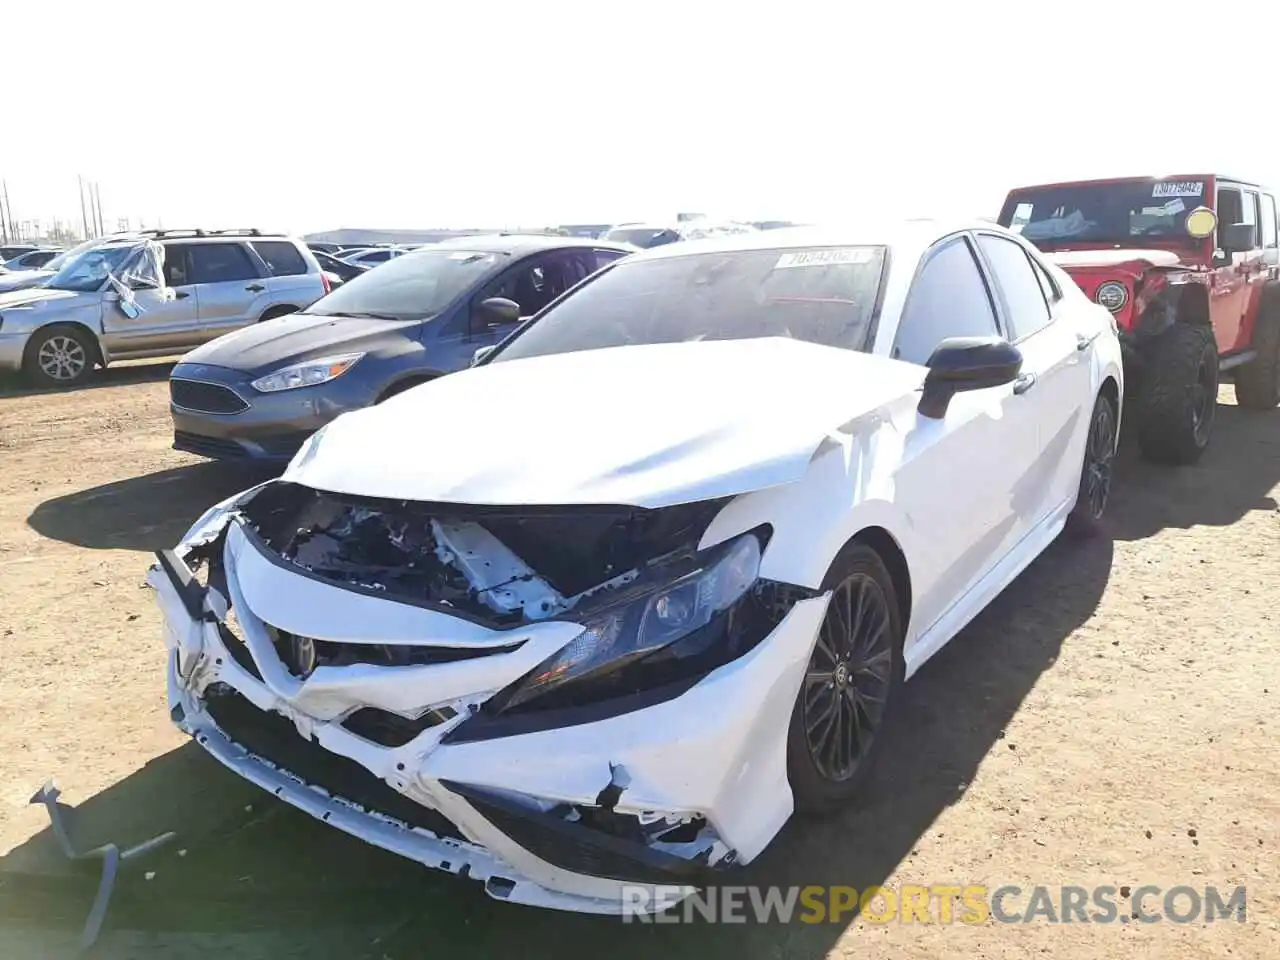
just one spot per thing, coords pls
(602, 611)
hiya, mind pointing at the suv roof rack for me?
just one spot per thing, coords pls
(197, 232)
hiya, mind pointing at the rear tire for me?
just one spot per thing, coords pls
(1096, 470)
(850, 684)
(61, 355)
(1178, 401)
(1258, 381)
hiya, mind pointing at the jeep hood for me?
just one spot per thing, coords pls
(1102, 259)
(646, 426)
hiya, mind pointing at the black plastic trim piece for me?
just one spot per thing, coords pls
(562, 837)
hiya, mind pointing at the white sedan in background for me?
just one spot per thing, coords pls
(606, 608)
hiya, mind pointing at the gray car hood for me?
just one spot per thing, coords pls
(647, 426)
(293, 338)
(23, 279)
(36, 296)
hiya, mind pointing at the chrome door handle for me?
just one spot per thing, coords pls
(1082, 342)
(1024, 383)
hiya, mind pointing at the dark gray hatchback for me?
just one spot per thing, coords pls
(257, 393)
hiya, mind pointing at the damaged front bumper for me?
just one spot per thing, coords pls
(697, 782)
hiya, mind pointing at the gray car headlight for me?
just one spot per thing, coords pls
(306, 374)
(688, 611)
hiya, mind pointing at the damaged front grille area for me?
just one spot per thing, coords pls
(275, 739)
(598, 842)
(500, 566)
(332, 653)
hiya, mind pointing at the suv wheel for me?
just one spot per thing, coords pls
(59, 356)
(1258, 381)
(1177, 405)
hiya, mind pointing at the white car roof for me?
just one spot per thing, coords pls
(907, 235)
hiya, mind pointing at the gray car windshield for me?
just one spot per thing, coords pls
(88, 271)
(825, 295)
(410, 287)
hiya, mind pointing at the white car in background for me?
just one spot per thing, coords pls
(649, 235)
(606, 608)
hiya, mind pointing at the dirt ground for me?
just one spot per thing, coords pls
(1110, 720)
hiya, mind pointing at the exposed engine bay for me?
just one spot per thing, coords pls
(501, 566)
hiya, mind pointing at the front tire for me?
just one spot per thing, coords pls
(850, 683)
(1179, 399)
(61, 355)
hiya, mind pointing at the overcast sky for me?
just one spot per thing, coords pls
(304, 116)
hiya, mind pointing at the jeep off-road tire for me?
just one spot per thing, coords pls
(1178, 401)
(856, 667)
(1258, 381)
(60, 355)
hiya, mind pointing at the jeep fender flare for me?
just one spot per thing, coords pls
(1179, 302)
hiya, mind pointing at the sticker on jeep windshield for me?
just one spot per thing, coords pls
(824, 258)
(1179, 188)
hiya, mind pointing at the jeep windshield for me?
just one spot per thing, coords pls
(823, 295)
(1123, 214)
(414, 286)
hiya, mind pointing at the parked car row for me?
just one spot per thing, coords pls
(602, 610)
(150, 294)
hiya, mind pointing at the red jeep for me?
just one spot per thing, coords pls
(1190, 268)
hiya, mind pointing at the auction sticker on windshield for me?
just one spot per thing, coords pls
(1178, 188)
(824, 258)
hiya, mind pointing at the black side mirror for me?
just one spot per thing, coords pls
(967, 363)
(1238, 237)
(498, 310)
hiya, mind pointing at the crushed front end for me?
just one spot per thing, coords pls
(560, 702)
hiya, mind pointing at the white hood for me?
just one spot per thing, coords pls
(648, 426)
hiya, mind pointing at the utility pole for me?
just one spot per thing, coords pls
(84, 217)
(97, 197)
(8, 206)
(4, 222)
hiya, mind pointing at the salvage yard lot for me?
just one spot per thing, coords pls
(1112, 719)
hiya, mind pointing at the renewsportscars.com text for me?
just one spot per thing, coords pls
(941, 903)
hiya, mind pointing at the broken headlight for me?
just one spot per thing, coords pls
(645, 640)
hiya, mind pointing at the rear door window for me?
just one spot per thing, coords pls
(220, 263)
(282, 257)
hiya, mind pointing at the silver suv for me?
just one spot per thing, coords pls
(150, 294)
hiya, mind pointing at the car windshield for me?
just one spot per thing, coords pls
(824, 295)
(642, 236)
(87, 271)
(66, 256)
(412, 287)
(1115, 213)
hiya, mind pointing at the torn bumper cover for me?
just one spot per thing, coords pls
(482, 730)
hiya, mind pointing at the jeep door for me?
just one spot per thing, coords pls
(1238, 275)
(230, 288)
